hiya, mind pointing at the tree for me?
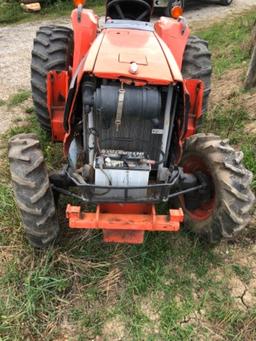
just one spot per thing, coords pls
(250, 81)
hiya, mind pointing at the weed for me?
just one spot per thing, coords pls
(18, 98)
(29, 110)
(249, 150)
(230, 41)
(243, 272)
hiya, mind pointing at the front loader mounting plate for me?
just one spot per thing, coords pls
(124, 223)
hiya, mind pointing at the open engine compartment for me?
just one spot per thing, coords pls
(126, 116)
(125, 145)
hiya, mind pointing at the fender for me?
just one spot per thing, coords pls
(175, 34)
(85, 26)
(59, 95)
(85, 66)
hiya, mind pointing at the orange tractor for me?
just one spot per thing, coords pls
(125, 100)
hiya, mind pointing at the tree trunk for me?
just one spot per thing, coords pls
(250, 81)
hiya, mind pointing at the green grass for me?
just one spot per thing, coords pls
(173, 287)
(11, 12)
(29, 110)
(229, 121)
(230, 41)
(244, 272)
(18, 98)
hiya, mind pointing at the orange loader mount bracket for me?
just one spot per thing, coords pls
(57, 93)
(124, 223)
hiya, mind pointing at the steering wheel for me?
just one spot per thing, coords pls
(118, 4)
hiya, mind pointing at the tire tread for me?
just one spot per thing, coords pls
(232, 183)
(32, 190)
(52, 50)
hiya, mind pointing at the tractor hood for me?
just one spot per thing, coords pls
(116, 48)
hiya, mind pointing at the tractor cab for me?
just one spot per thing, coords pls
(139, 10)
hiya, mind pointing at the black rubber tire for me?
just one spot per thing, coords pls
(52, 50)
(32, 190)
(197, 65)
(168, 8)
(226, 2)
(231, 180)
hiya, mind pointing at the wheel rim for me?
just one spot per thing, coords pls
(193, 164)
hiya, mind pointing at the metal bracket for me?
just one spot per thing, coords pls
(120, 105)
(79, 12)
(124, 223)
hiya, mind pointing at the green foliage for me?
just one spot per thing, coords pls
(244, 272)
(11, 11)
(249, 150)
(230, 41)
(18, 98)
(229, 121)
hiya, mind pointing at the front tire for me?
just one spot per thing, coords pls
(32, 190)
(226, 209)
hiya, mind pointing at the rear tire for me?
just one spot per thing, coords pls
(32, 190)
(197, 65)
(227, 210)
(52, 50)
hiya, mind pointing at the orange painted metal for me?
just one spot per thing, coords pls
(108, 54)
(120, 218)
(195, 88)
(57, 92)
(173, 66)
(127, 237)
(78, 2)
(85, 32)
(92, 55)
(120, 47)
(175, 37)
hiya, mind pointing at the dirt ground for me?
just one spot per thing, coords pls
(16, 44)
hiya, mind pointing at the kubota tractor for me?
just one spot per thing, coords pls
(126, 100)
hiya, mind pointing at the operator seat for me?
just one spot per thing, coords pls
(140, 10)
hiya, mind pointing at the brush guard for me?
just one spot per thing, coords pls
(124, 223)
